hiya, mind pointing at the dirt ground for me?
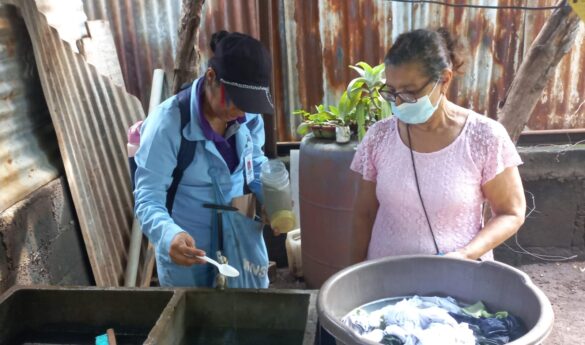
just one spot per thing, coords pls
(563, 283)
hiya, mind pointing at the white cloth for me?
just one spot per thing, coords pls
(415, 321)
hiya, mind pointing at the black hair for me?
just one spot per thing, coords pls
(434, 50)
(215, 38)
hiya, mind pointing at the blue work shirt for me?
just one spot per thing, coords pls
(157, 158)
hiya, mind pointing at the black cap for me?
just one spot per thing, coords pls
(243, 66)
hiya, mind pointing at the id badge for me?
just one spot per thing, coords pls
(249, 168)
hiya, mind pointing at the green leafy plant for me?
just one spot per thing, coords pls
(362, 103)
(322, 117)
(359, 107)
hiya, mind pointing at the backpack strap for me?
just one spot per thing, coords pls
(186, 153)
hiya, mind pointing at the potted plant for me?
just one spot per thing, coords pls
(326, 184)
(359, 106)
(321, 123)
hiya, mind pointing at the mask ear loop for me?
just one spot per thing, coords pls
(441, 93)
(436, 83)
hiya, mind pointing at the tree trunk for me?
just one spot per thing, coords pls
(187, 60)
(554, 40)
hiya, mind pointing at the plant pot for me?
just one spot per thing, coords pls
(342, 134)
(353, 127)
(323, 132)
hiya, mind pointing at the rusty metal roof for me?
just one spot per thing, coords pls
(90, 115)
(29, 156)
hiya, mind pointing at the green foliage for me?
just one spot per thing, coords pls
(362, 100)
(321, 117)
(360, 105)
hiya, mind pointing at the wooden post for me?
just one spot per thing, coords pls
(554, 40)
(268, 19)
(187, 60)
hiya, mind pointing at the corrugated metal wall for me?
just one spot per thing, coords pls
(146, 37)
(320, 38)
(241, 16)
(29, 156)
(146, 33)
(347, 31)
(90, 116)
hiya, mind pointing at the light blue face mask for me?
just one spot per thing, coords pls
(416, 113)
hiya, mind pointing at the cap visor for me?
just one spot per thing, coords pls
(249, 100)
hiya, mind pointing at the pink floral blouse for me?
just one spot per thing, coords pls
(450, 183)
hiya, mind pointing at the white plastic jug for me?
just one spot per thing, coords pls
(277, 195)
(293, 253)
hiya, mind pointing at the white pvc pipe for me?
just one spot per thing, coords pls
(133, 255)
(156, 92)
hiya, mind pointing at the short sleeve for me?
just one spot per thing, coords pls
(364, 161)
(501, 153)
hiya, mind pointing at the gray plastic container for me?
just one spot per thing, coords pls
(499, 286)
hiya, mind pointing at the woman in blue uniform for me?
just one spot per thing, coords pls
(228, 132)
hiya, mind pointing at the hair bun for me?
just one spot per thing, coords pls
(454, 48)
(216, 38)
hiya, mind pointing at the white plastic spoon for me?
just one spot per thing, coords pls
(224, 269)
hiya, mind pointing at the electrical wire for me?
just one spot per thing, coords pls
(437, 2)
(543, 257)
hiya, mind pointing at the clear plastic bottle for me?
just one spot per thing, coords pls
(277, 195)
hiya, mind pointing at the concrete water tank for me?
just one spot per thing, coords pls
(499, 286)
(327, 189)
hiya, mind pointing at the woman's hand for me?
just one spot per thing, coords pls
(458, 254)
(183, 251)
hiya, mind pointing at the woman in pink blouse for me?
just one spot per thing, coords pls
(427, 171)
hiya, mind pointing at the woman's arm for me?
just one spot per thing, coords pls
(156, 159)
(365, 210)
(505, 195)
(256, 127)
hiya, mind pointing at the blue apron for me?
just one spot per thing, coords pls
(243, 244)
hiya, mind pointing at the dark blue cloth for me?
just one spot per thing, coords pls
(391, 340)
(493, 331)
